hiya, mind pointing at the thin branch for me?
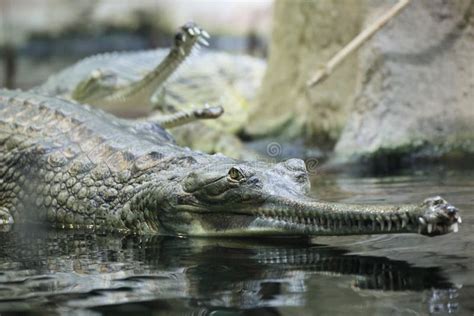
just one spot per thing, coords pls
(363, 36)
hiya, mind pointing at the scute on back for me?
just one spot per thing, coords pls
(39, 118)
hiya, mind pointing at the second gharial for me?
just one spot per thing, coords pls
(155, 83)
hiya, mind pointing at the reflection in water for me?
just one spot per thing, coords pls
(61, 270)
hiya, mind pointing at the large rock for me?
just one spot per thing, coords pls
(416, 89)
(305, 35)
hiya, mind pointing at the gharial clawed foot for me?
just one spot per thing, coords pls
(439, 217)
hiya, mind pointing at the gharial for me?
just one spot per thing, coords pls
(72, 165)
(133, 83)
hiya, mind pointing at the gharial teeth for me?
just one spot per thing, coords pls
(205, 34)
(422, 221)
(404, 223)
(197, 30)
(398, 224)
(430, 228)
(381, 222)
(459, 220)
(203, 41)
(181, 50)
(454, 227)
(191, 31)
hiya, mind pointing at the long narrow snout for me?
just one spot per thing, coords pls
(291, 216)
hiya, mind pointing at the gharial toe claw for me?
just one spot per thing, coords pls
(439, 217)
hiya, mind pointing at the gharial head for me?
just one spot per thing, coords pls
(97, 85)
(102, 83)
(232, 198)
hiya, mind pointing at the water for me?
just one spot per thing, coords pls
(45, 271)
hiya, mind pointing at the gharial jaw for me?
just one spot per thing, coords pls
(432, 217)
(99, 88)
(312, 218)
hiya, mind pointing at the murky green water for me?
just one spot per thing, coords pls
(81, 273)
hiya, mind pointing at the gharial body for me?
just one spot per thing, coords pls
(133, 83)
(72, 165)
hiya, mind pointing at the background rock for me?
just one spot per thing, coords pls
(416, 89)
(409, 91)
(305, 35)
(48, 35)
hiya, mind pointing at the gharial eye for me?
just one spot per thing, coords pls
(235, 175)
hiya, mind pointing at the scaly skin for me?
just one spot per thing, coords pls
(71, 165)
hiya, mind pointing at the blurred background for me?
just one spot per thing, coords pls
(38, 38)
(406, 95)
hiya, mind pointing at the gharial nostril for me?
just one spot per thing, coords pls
(451, 210)
(295, 164)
